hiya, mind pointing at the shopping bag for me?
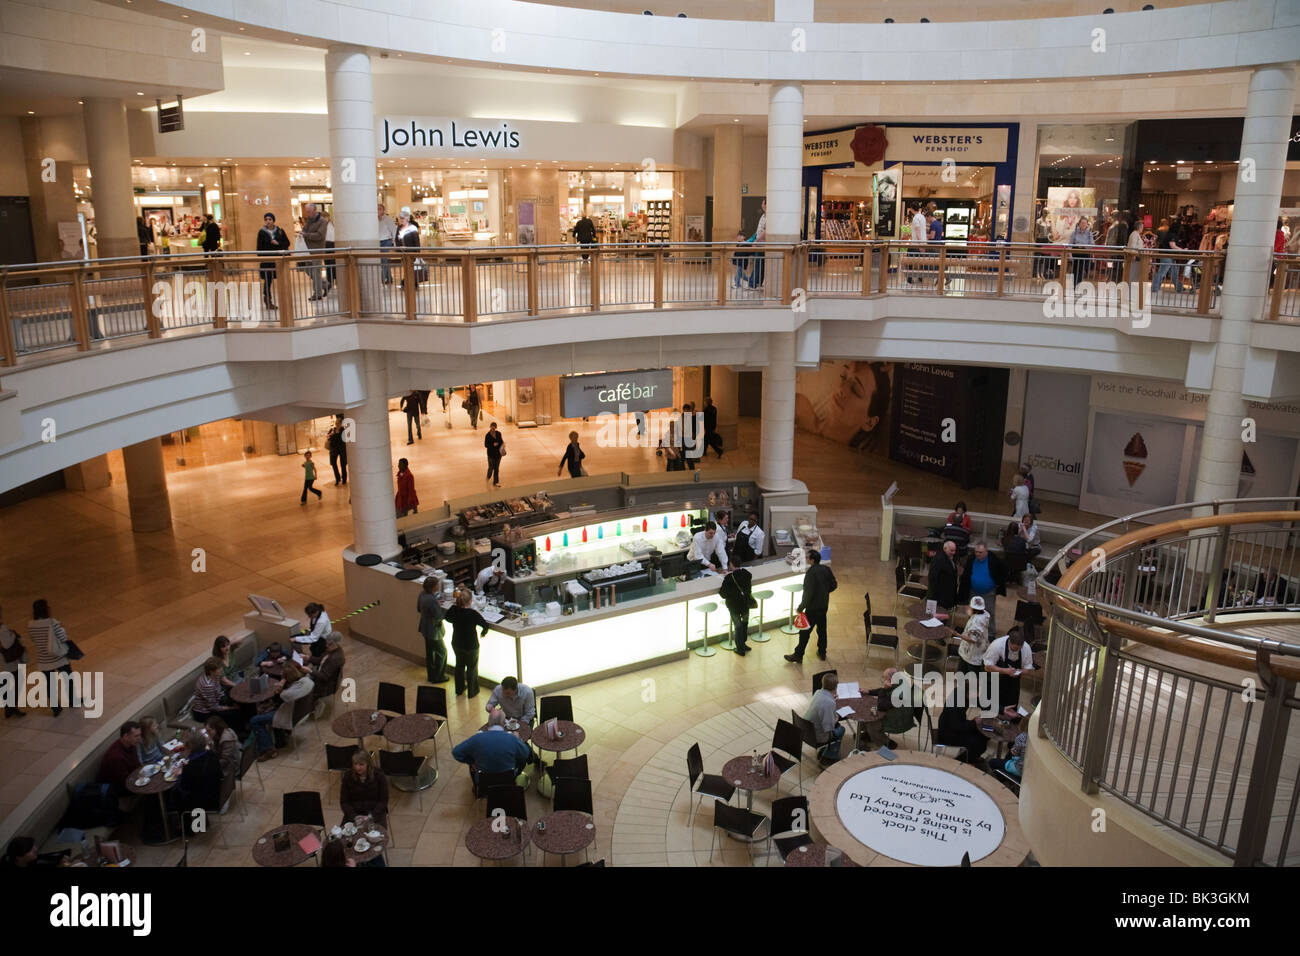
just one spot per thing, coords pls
(801, 621)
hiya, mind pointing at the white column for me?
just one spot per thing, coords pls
(352, 145)
(108, 150)
(370, 467)
(784, 161)
(776, 448)
(1264, 138)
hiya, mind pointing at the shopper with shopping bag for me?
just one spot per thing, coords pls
(818, 583)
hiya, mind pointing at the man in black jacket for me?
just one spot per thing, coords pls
(818, 583)
(711, 437)
(945, 577)
(986, 576)
(735, 593)
(211, 234)
(410, 404)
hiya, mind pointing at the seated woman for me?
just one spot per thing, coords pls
(959, 517)
(277, 713)
(1013, 764)
(200, 784)
(207, 696)
(364, 791)
(149, 749)
(224, 742)
(958, 730)
(901, 701)
(1012, 541)
(1028, 533)
(223, 649)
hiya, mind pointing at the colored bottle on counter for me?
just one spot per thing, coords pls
(619, 532)
(683, 519)
(584, 535)
(548, 542)
(645, 525)
(600, 532)
(665, 522)
(566, 539)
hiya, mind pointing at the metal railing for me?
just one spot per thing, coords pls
(1186, 722)
(76, 304)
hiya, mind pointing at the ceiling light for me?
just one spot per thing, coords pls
(31, 112)
(138, 93)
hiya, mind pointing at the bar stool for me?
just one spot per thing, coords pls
(704, 650)
(758, 637)
(730, 643)
(788, 627)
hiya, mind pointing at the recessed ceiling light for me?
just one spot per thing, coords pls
(138, 93)
(81, 102)
(246, 53)
(31, 112)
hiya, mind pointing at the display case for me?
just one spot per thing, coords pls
(659, 216)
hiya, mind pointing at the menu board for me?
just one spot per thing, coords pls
(920, 815)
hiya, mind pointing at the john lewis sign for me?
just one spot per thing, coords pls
(441, 136)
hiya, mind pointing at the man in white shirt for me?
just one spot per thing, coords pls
(920, 232)
(821, 713)
(489, 579)
(750, 539)
(387, 238)
(1009, 657)
(709, 548)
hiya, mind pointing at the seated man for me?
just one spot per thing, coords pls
(271, 656)
(821, 712)
(515, 700)
(956, 729)
(200, 784)
(493, 750)
(121, 760)
(325, 674)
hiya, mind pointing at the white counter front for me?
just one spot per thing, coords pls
(572, 649)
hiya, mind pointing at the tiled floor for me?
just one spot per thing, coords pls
(139, 610)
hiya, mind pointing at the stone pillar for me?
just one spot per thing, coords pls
(88, 475)
(370, 467)
(108, 148)
(146, 486)
(776, 446)
(784, 161)
(352, 145)
(728, 145)
(1267, 128)
(52, 202)
(1022, 195)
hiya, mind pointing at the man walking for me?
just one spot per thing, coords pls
(818, 583)
(711, 437)
(410, 404)
(944, 577)
(387, 239)
(338, 451)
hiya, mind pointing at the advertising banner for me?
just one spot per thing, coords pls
(1066, 205)
(583, 396)
(1135, 463)
(887, 188)
(925, 398)
(847, 402)
(1056, 430)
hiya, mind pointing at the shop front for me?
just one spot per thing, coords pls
(859, 182)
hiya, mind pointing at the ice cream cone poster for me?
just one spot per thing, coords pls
(1134, 462)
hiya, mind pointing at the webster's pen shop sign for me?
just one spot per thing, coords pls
(425, 136)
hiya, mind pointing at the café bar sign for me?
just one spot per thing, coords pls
(443, 136)
(583, 396)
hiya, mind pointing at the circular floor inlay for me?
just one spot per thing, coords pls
(920, 815)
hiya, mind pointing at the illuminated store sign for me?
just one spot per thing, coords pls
(586, 395)
(437, 136)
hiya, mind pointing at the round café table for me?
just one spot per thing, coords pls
(998, 730)
(813, 854)
(572, 737)
(498, 844)
(242, 693)
(359, 724)
(377, 845)
(158, 784)
(916, 809)
(409, 730)
(930, 639)
(916, 611)
(565, 832)
(737, 773)
(865, 711)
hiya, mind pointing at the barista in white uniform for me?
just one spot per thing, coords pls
(489, 579)
(750, 540)
(710, 548)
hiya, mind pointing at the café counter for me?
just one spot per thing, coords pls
(569, 649)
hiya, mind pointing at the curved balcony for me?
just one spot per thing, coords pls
(1169, 690)
(49, 307)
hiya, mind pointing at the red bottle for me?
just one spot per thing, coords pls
(683, 520)
(584, 535)
(548, 542)
(645, 525)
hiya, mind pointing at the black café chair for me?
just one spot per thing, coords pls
(559, 706)
(789, 826)
(739, 821)
(807, 732)
(405, 764)
(432, 700)
(787, 749)
(303, 806)
(338, 758)
(882, 629)
(303, 709)
(569, 767)
(817, 679)
(709, 784)
(247, 760)
(572, 793)
(907, 583)
(392, 698)
(510, 799)
(497, 778)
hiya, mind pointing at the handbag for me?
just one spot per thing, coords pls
(503, 451)
(15, 651)
(73, 652)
